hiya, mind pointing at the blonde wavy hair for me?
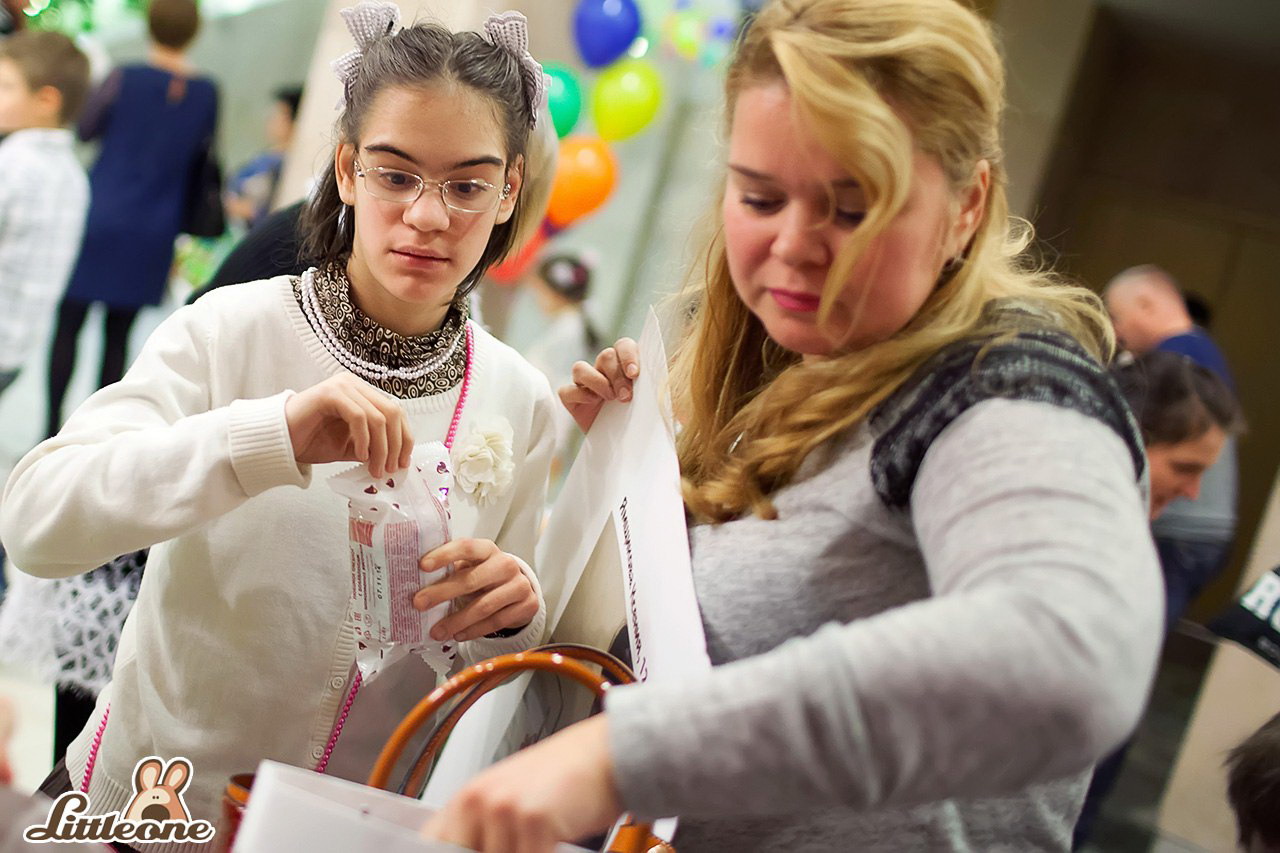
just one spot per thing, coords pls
(873, 81)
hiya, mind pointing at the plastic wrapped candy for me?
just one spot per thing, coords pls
(392, 522)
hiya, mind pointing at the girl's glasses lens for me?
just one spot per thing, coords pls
(474, 196)
(405, 187)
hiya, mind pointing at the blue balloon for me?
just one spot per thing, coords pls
(605, 29)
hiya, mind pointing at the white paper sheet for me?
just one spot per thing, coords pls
(291, 809)
(626, 472)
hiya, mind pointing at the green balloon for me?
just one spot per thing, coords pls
(564, 98)
(625, 99)
(687, 30)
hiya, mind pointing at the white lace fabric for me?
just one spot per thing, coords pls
(67, 630)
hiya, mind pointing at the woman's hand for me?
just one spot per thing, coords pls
(559, 790)
(345, 420)
(494, 591)
(610, 378)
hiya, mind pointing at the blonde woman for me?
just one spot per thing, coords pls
(920, 543)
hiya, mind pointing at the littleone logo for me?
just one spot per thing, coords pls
(156, 812)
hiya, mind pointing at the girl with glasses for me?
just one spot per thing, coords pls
(215, 446)
(919, 537)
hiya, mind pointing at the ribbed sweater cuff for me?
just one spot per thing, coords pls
(261, 452)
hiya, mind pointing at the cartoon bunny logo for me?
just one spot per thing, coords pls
(157, 790)
(156, 812)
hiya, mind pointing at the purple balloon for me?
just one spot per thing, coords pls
(604, 29)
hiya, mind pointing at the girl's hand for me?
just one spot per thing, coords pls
(497, 594)
(609, 379)
(345, 420)
(559, 790)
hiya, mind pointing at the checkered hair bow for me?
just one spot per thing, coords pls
(510, 31)
(368, 21)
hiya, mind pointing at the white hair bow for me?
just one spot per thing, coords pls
(368, 22)
(510, 31)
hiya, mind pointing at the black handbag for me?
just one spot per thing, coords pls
(204, 215)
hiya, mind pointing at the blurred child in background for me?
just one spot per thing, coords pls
(251, 190)
(44, 193)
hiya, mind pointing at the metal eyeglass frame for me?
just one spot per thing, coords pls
(362, 171)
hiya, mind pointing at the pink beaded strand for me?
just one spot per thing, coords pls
(93, 751)
(448, 443)
(462, 395)
(342, 721)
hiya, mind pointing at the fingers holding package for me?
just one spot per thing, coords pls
(343, 419)
(490, 590)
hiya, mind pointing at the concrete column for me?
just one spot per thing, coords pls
(1044, 42)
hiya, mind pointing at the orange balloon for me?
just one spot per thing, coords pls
(585, 176)
(511, 270)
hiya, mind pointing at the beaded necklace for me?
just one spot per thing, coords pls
(368, 370)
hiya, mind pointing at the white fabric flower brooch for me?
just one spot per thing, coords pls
(482, 465)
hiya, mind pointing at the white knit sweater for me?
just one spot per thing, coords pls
(237, 649)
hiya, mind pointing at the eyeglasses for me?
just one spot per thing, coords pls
(470, 196)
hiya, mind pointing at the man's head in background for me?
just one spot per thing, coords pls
(1146, 307)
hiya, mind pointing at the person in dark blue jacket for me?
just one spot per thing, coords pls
(156, 123)
(1194, 537)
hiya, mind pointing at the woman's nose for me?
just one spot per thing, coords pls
(800, 241)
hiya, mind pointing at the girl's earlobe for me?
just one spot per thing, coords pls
(507, 206)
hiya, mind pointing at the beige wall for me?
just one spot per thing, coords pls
(1165, 160)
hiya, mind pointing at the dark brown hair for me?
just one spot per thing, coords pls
(50, 59)
(1177, 400)
(1253, 785)
(420, 55)
(173, 23)
(291, 97)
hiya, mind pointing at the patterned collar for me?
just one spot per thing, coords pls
(368, 341)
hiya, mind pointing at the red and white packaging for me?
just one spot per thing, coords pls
(392, 523)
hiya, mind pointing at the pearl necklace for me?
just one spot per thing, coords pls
(365, 369)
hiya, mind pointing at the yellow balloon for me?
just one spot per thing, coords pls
(625, 99)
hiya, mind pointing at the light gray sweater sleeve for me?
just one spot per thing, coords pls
(1030, 662)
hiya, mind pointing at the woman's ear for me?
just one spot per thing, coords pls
(515, 180)
(344, 169)
(973, 203)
